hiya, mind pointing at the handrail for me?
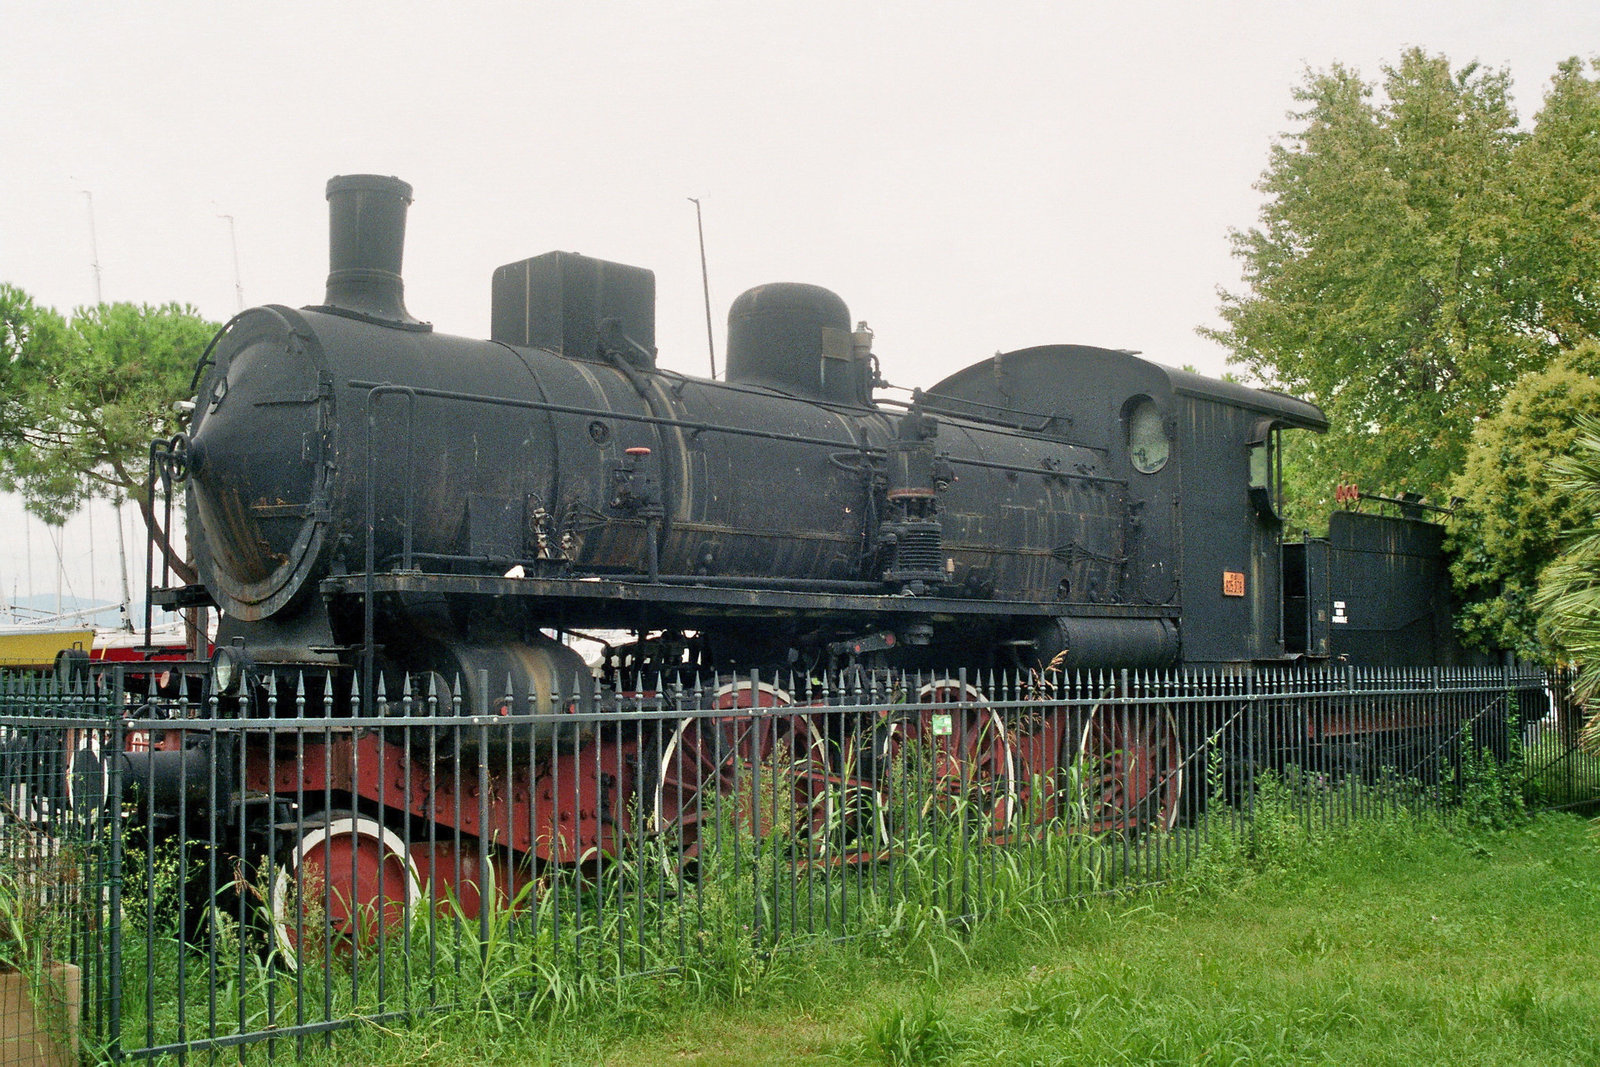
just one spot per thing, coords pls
(374, 395)
(712, 427)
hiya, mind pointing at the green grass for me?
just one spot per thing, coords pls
(1387, 942)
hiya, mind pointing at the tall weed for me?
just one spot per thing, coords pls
(1489, 792)
(913, 1038)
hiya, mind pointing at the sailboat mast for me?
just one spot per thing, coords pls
(122, 558)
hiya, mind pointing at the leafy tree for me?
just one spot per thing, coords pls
(1555, 177)
(1512, 512)
(1387, 280)
(83, 398)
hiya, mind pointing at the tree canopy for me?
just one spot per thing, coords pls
(1417, 253)
(82, 398)
(1513, 510)
(1556, 181)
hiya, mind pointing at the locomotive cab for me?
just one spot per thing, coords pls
(1231, 505)
(1200, 530)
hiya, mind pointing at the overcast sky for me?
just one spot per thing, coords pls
(969, 178)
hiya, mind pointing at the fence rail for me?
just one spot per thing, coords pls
(234, 870)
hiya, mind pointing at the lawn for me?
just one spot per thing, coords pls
(1390, 942)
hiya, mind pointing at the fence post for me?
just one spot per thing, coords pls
(112, 812)
(1251, 724)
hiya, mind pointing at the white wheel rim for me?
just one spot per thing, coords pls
(77, 747)
(658, 824)
(283, 883)
(780, 698)
(1165, 819)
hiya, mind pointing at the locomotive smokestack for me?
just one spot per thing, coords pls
(366, 239)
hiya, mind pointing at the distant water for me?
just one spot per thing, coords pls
(40, 611)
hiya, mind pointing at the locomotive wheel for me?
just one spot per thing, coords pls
(459, 877)
(1130, 767)
(58, 777)
(965, 754)
(35, 794)
(708, 767)
(1038, 739)
(345, 883)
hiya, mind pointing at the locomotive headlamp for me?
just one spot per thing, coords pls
(228, 667)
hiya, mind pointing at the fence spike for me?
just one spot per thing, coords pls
(431, 700)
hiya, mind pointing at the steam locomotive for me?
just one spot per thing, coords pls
(367, 497)
(413, 524)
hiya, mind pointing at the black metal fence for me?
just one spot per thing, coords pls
(228, 871)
